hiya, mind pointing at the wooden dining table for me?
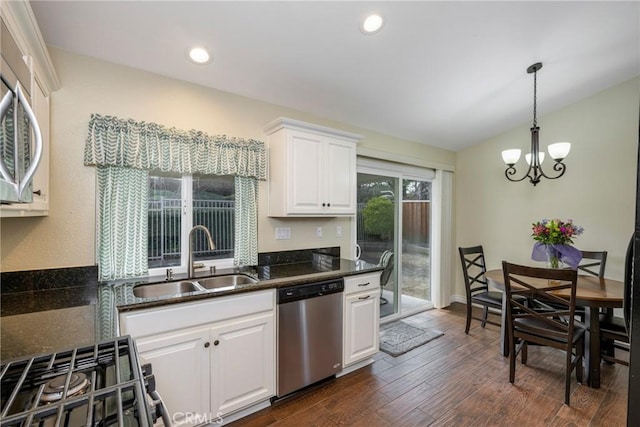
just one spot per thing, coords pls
(591, 292)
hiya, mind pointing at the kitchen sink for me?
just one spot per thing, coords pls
(227, 281)
(164, 289)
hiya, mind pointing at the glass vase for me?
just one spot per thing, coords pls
(554, 258)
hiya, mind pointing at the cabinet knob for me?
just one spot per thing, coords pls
(207, 344)
(328, 204)
(324, 204)
(38, 192)
(216, 342)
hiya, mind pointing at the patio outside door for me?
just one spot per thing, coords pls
(393, 222)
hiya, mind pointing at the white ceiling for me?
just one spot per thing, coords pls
(448, 74)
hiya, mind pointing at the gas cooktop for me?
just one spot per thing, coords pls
(96, 385)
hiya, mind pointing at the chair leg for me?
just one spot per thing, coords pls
(567, 376)
(512, 361)
(466, 329)
(579, 367)
(608, 348)
(485, 313)
(524, 353)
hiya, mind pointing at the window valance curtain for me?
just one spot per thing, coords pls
(142, 145)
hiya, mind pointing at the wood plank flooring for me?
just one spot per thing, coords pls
(455, 380)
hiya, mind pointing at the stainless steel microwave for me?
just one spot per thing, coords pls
(20, 136)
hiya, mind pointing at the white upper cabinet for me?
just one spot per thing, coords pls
(312, 169)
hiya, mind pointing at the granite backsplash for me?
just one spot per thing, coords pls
(50, 289)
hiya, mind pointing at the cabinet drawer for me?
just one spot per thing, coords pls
(361, 282)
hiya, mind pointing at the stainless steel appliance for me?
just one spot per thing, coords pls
(309, 334)
(95, 385)
(20, 136)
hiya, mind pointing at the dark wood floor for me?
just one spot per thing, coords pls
(455, 380)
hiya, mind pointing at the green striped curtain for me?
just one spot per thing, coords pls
(125, 150)
(122, 222)
(246, 215)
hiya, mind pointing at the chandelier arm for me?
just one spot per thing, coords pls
(510, 171)
(558, 167)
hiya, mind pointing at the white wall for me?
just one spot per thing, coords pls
(597, 191)
(66, 238)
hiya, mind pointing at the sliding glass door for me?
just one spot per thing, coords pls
(393, 230)
(377, 223)
(416, 249)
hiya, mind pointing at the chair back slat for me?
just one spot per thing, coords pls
(554, 322)
(473, 270)
(598, 264)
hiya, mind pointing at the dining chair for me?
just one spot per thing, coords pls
(593, 262)
(613, 332)
(612, 329)
(386, 261)
(553, 326)
(476, 285)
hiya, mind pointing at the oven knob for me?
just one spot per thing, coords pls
(150, 383)
(216, 342)
(146, 369)
(206, 345)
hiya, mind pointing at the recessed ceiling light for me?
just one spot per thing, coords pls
(372, 24)
(199, 55)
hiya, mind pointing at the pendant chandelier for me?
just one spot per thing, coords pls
(534, 159)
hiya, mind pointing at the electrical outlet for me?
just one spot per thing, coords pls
(318, 231)
(338, 231)
(283, 233)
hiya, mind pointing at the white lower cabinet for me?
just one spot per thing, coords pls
(180, 363)
(242, 362)
(361, 317)
(218, 358)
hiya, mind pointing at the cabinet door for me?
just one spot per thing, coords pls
(180, 363)
(361, 326)
(306, 180)
(41, 178)
(340, 177)
(242, 362)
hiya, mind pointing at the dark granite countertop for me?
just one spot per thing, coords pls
(44, 318)
(269, 277)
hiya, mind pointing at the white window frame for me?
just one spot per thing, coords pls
(186, 226)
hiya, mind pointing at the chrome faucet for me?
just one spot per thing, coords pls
(212, 246)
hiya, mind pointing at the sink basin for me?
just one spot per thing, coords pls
(228, 281)
(164, 289)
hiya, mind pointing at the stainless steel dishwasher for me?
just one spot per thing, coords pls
(309, 334)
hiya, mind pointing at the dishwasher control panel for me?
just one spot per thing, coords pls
(309, 290)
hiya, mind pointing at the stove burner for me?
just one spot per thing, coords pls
(54, 388)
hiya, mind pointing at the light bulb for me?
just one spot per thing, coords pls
(199, 55)
(527, 157)
(511, 157)
(372, 24)
(559, 150)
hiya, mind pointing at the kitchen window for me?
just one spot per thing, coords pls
(177, 203)
(126, 152)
